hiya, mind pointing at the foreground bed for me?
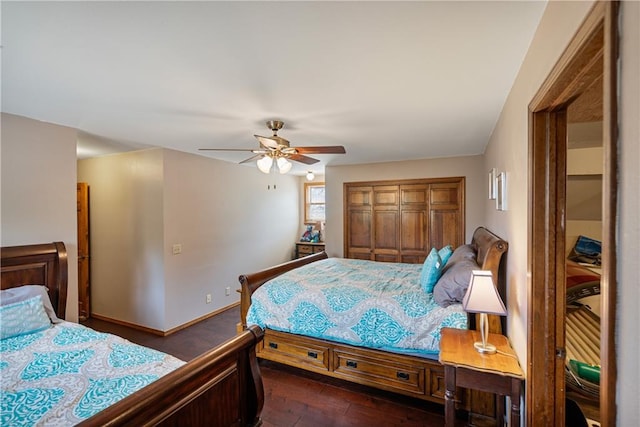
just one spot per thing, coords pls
(222, 387)
(411, 375)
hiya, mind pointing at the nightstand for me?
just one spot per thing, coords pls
(498, 373)
(308, 248)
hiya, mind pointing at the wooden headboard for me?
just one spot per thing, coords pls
(41, 264)
(490, 249)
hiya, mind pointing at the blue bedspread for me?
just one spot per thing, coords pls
(364, 303)
(62, 375)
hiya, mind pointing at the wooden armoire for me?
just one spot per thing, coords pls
(401, 220)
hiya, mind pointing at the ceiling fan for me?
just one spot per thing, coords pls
(275, 148)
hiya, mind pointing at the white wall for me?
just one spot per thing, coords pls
(230, 221)
(39, 190)
(228, 218)
(126, 236)
(508, 151)
(470, 167)
(628, 333)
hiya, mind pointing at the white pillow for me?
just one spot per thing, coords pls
(22, 293)
(23, 317)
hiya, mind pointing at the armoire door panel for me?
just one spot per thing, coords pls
(444, 196)
(412, 231)
(359, 197)
(360, 229)
(354, 254)
(385, 257)
(445, 229)
(412, 258)
(414, 194)
(385, 195)
(385, 234)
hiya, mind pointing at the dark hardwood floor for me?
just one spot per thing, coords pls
(293, 397)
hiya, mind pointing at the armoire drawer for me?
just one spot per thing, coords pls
(383, 372)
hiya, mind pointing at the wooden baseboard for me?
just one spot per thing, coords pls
(159, 332)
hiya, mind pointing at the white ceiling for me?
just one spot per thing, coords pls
(388, 80)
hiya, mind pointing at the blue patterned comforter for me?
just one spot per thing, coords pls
(67, 373)
(364, 303)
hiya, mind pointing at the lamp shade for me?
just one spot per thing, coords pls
(284, 165)
(264, 164)
(482, 296)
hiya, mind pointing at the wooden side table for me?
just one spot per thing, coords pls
(498, 373)
(307, 248)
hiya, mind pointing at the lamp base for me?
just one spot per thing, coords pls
(484, 348)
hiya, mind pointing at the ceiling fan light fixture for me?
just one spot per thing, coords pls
(310, 176)
(264, 164)
(284, 165)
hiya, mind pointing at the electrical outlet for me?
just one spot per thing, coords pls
(208, 298)
(177, 249)
(227, 291)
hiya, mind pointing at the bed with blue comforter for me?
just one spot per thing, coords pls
(368, 322)
(67, 372)
(363, 303)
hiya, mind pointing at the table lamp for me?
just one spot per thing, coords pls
(482, 297)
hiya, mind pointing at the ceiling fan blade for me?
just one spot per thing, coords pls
(250, 159)
(226, 149)
(303, 159)
(269, 141)
(332, 149)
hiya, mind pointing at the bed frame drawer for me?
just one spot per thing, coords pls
(280, 348)
(380, 372)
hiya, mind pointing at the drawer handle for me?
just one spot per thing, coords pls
(352, 364)
(273, 344)
(402, 376)
(312, 354)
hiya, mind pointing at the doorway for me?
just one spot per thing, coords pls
(591, 55)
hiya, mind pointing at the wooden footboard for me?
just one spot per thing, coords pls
(222, 387)
(250, 282)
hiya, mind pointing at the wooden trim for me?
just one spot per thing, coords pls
(595, 41)
(608, 363)
(307, 202)
(546, 251)
(406, 181)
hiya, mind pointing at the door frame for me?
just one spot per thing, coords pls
(596, 39)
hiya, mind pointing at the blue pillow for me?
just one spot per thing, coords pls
(24, 317)
(431, 271)
(445, 253)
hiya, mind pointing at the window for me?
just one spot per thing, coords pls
(314, 202)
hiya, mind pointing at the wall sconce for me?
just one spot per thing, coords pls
(482, 297)
(310, 176)
(501, 191)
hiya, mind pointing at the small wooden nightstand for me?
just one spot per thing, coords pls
(307, 248)
(494, 373)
